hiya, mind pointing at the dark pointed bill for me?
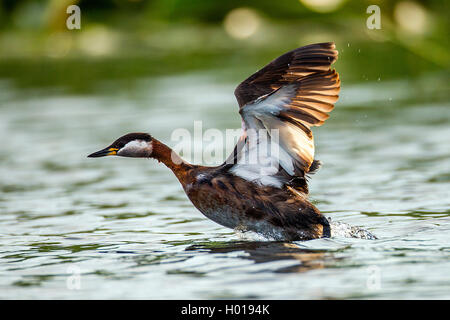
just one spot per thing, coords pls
(103, 153)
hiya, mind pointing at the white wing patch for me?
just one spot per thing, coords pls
(285, 99)
(271, 142)
(252, 173)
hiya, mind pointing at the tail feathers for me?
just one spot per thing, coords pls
(315, 166)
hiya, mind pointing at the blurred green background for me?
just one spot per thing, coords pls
(157, 66)
(125, 40)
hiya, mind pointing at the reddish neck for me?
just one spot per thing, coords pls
(171, 159)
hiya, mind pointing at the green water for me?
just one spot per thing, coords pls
(114, 228)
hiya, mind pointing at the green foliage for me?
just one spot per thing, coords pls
(126, 39)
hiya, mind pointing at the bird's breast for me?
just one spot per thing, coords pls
(215, 205)
(234, 202)
(232, 210)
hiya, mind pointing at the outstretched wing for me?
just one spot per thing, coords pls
(279, 104)
(287, 68)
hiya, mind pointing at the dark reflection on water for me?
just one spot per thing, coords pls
(268, 251)
(127, 229)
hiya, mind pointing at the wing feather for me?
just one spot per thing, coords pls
(288, 96)
(289, 67)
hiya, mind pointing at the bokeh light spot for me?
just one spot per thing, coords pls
(242, 23)
(97, 40)
(411, 17)
(322, 5)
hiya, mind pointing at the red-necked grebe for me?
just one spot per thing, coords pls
(286, 98)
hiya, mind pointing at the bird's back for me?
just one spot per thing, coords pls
(277, 213)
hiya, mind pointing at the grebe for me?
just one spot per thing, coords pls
(278, 104)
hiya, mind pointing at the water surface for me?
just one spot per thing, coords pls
(113, 228)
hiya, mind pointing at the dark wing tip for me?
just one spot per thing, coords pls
(289, 67)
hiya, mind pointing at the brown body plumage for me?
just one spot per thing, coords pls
(291, 94)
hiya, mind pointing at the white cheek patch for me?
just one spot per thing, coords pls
(139, 144)
(136, 148)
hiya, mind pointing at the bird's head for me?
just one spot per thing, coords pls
(135, 145)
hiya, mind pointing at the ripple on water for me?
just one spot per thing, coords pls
(126, 227)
